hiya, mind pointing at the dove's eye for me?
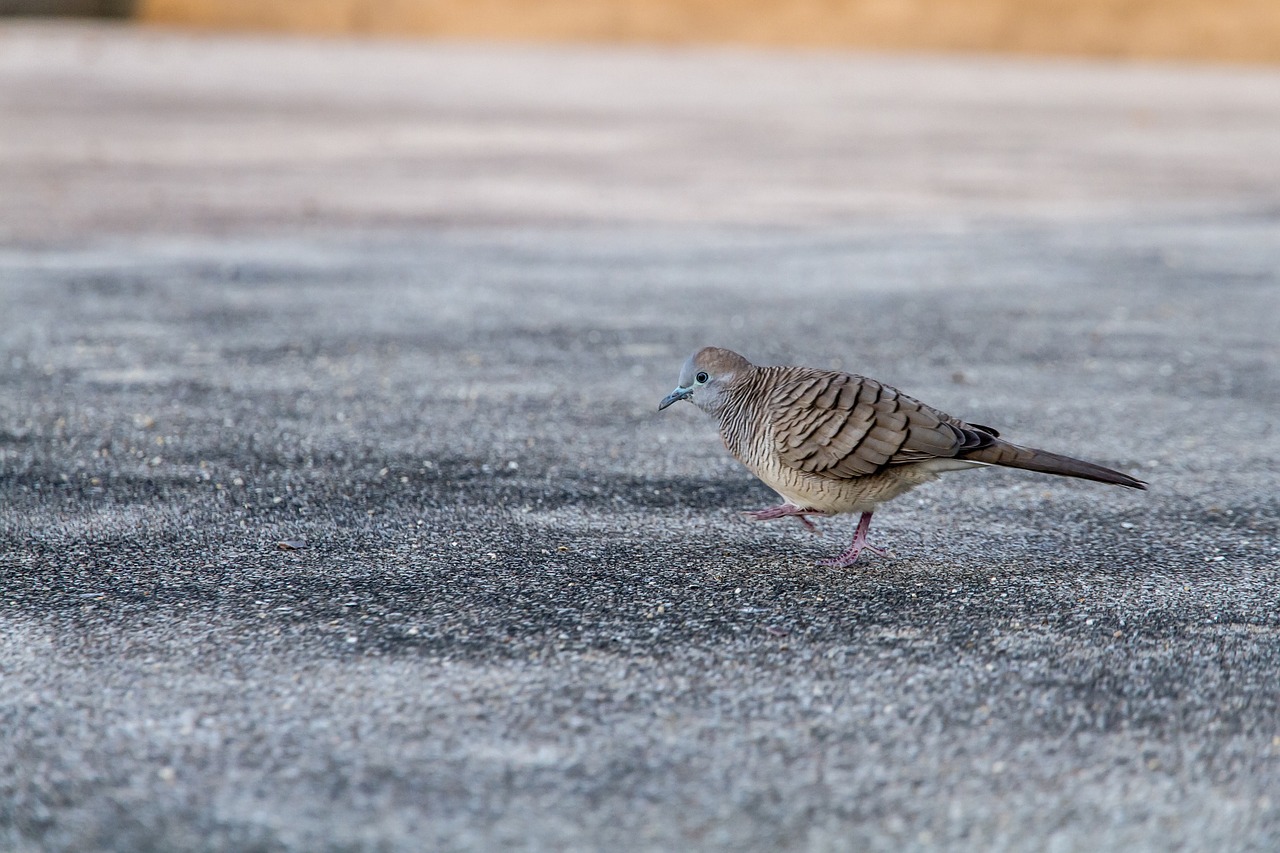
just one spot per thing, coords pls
(701, 378)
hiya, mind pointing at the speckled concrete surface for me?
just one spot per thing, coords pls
(527, 614)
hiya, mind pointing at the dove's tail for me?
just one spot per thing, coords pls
(1030, 459)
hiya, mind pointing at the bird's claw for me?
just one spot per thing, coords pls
(785, 511)
(856, 547)
(848, 558)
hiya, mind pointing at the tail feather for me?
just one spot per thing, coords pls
(1031, 459)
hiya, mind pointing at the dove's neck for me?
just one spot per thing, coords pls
(739, 414)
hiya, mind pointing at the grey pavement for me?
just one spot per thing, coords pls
(412, 306)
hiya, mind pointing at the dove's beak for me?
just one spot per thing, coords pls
(675, 397)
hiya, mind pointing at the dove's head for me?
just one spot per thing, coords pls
(706, 377)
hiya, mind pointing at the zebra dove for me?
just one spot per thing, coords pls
(830, 442)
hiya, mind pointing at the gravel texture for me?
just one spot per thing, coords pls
(517, 607)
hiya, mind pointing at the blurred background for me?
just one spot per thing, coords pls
(1233, 30)
(219, 116)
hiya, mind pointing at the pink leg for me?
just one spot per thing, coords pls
(783, 511)
(859, 544)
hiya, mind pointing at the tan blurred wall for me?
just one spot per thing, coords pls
(1236, 30)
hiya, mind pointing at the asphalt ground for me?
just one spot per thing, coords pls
(411, 307)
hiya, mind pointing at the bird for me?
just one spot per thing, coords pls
(830, 442)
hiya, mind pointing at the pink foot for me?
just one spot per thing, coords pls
(856, 547)
(783, 511)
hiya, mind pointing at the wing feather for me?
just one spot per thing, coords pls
(844, 426)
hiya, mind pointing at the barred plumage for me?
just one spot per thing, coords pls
(829, 442)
